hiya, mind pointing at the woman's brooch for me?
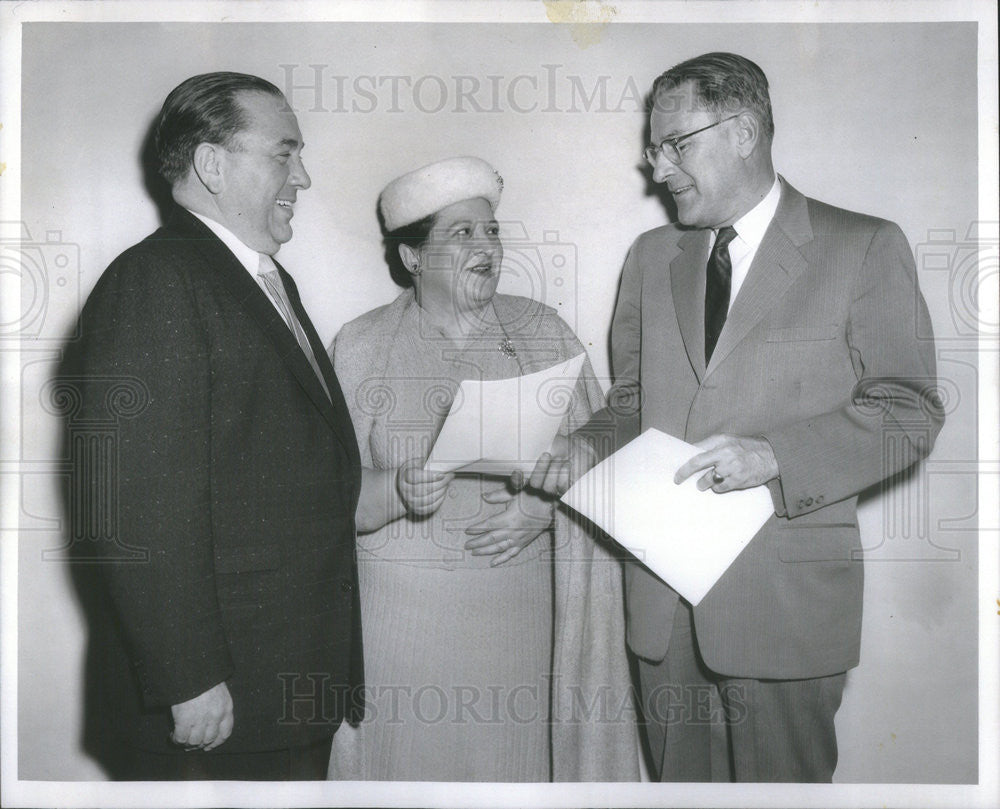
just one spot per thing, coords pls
(506, 347)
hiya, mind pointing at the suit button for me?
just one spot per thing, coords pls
(819, 500)
(802, 504)
(809, 501)
(346, 586)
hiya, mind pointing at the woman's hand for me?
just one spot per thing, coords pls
(422, 492)
(526, 517)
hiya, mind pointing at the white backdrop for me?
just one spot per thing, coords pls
(877, 118)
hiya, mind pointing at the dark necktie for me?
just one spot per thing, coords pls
(718, 282)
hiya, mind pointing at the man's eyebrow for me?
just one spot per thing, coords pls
(656, 141)
(291, 143)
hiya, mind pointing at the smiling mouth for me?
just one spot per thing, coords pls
(284, 203)
(681, 190)
(482, 267)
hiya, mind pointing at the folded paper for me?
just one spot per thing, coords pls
(503, 425)
(687, 537)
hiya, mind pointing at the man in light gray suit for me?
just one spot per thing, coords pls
(780, 335)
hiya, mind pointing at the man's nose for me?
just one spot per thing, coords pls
(663, 169)
(300, 177)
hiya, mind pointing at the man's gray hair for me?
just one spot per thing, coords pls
(723, 82)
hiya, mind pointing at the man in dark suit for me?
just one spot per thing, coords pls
(780, 334)
(231, 648)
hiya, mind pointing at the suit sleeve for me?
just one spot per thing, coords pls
(893, 414)
(141, 328)
(618, 423)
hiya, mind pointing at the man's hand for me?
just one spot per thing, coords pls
(742, 463)
(422, 492)
(205, 721)
(560, 467)
(526, 517)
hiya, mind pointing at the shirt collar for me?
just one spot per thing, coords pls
(247, 256)
(752, 226)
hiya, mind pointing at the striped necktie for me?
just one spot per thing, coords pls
(718, 282)
(272, 280)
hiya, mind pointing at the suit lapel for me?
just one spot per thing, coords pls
(234, 276)
(687, 286)
(341, 415)
(775, 267)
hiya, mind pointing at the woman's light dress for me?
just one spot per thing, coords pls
(463, 660)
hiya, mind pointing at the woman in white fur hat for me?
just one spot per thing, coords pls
(493, 628)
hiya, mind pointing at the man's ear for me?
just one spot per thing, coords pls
(410, 259)
(747, 133)
(208, 166)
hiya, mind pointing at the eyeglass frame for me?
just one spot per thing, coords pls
(651, 152)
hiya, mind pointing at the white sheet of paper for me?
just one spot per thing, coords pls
(503, 425)
(685, 536)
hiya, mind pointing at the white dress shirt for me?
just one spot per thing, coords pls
(750, 230)
(255, 263)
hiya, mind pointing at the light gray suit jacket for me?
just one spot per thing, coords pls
(820, 355)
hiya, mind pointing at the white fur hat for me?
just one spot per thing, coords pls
(427, 190)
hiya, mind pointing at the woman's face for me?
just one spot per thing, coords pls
(459, 264)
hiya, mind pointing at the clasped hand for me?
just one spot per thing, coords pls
(526, 517)
(422, 492)
(506, 533)
(205, 721)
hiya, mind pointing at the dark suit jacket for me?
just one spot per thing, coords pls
(239, 478)
(820, 355)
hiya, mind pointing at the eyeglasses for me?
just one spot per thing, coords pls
(668, 146)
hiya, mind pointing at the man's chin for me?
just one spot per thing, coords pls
(684, 214)
(278, 238)
(692, 221)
